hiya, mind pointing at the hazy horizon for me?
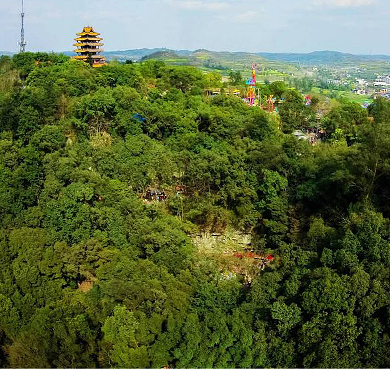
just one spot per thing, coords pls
(291, 26)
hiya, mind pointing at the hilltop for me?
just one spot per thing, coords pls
(164, 55)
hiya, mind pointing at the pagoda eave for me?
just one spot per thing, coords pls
(88, 34)
(88, 39)
(81, 44)
(90, 56)
(88, 50)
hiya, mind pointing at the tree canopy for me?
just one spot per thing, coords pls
(108, 175)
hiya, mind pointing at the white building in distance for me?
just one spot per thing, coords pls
(382, 81)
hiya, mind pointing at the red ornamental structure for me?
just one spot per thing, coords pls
(252, 84)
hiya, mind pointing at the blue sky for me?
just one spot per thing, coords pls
(356, 26)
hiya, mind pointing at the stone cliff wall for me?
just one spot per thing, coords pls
(229, 239)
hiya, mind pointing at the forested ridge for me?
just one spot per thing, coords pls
(93, 274)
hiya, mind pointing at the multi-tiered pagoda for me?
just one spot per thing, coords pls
(88, 44)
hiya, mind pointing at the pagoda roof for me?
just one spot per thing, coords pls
(83, 38)
(88, 31)
(86, 57)
(80, 44)
(88, 50)
(101, 57)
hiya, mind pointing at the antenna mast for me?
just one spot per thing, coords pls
(22, 42)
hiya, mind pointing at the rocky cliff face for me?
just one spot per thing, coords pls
(231, 239)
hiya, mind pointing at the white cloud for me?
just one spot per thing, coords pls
(245, 17)
(345, 3)
(200, 4)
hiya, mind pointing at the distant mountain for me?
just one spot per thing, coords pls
(313, 58)
(323, 57)
(138, 54)
(6, 53)
(162, 55)
(221, 61)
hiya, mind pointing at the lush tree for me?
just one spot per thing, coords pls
(235, 78)
(293, 113)
(380, 111)
(119, 330)
(97, 272)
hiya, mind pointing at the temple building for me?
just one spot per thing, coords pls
(88, 47)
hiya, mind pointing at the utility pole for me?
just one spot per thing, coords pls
(22, 42)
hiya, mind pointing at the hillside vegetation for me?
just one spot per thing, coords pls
(207, 60)
(95, 273)
(325, 57)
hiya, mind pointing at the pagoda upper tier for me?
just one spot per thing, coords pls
(88, 47)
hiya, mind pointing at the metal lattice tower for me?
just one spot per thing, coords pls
(22, 42)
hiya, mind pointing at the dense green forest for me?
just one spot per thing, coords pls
(93, 275)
